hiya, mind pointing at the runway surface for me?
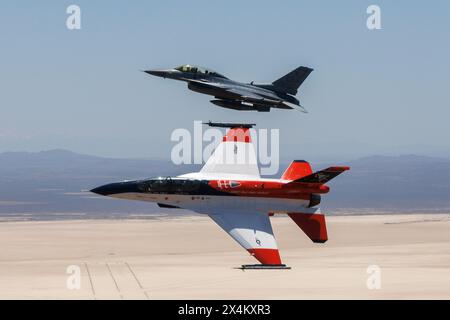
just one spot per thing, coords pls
(406, 256)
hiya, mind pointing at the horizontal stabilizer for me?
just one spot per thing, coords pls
(322, 176)
(313, 225)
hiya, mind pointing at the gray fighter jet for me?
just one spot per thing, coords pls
(237, 95)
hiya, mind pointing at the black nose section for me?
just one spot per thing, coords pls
(158, 73)
(102, 190)
(118, 187)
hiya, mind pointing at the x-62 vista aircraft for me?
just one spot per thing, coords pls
(236, 95)
(230, 190)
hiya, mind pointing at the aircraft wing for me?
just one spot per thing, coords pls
(255, 98)
(210, 84)
(246, 95)
(253, 231)
(243, 94)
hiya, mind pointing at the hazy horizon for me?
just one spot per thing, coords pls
(283, 159)
(371, 92)
(49, 185)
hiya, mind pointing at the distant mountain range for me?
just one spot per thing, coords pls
(50, 183)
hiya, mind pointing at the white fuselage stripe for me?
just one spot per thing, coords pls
(207, 203)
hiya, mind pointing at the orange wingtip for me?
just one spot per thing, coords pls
(266, 256)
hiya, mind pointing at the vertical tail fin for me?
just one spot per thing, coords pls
(296, 170)
(292, 81)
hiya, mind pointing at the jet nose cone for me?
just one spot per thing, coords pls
(102, 190)
(116, 188)
(158, 73)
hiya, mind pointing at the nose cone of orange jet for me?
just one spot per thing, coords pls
(116, 188)
(102, 190)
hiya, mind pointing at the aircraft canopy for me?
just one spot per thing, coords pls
(168, 184)
(196, 69)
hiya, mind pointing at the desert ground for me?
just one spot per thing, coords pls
(192, 258)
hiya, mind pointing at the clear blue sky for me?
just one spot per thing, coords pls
(372, 92)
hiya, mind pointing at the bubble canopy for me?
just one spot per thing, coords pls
(196, 69)
(169, 185)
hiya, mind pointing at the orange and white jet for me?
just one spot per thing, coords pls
(231, 191)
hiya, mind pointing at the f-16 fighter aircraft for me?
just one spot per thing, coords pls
(230, 190)
(237, 95)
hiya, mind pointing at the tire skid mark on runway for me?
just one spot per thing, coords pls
(137, 281)
(108, 277)
(114, 280)
(101, 278)
(90, 280)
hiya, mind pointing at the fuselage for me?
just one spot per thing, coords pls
(217, 85)
(202, 195)
(230, 190)
(213, 90)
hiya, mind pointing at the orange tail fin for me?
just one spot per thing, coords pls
(313, 225)
(296, 170)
